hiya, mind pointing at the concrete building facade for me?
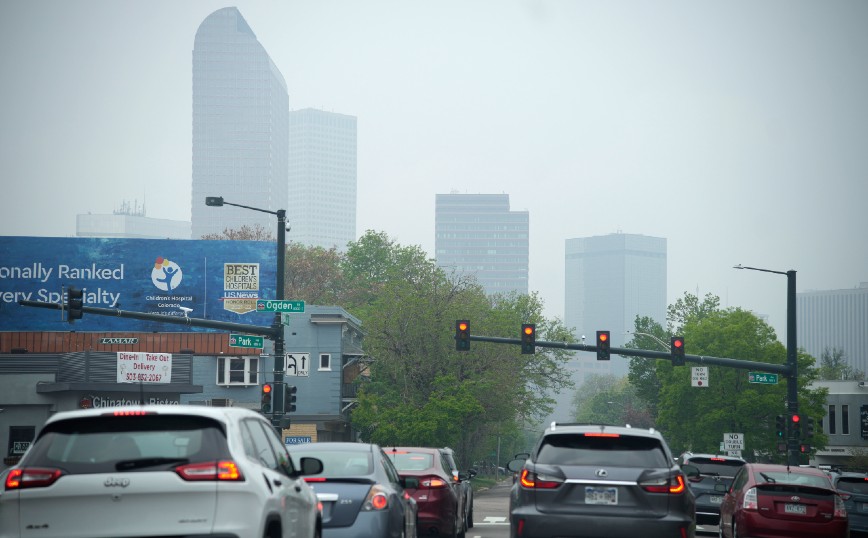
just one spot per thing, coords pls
(835, 319)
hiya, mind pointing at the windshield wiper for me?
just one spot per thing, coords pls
(768, 479)
(127, 465)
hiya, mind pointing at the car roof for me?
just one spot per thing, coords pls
(223, 414)
(575, 427)
(692, 455)
(346, 446)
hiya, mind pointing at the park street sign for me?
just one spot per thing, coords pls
(762, 378)
(263, 305)
(245, 340)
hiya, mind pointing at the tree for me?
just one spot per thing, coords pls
(643, 372)
(315, 275)
(607, 399)
(834, 367)
(246, 233)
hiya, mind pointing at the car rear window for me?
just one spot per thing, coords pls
(411, 461)
(97, 444)
(782, 477)
(339, 463)
(853, 485)
(726, 468)
(622, 450)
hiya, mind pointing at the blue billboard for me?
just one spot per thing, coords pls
(217, 280)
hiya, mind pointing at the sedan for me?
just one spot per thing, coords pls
(360, 492)
(771, 501)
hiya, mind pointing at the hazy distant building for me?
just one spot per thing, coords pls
(240, 127)
(322, 178)
(834, 319)
(478, 234)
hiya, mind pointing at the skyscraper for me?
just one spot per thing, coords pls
(478, 234)
(834, 319)
(322, 178)
(240, 127)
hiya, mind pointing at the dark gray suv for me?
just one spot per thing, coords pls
(709, 477)
(613, 481)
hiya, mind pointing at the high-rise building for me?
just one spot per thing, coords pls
(478, 234)
(322, 178)
(834, 319)
(130, 222)
(240, 127)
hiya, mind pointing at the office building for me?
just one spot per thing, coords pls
(240, 127)
(834, 319)
(322, 178)
(478, 234)
(130, 221)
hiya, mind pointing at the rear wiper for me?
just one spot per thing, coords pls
(767, 478)
(126, 465)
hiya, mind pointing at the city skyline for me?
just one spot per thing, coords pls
(738, 151)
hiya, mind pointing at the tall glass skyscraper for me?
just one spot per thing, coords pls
(478, 234)
(834, 319)
(322, 178)
(240, 127)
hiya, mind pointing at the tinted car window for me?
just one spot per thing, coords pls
(718, 468)
(339, 463)
(572, 449)
(264, 454)
(411, 461)
(853, 485)
(792, 478)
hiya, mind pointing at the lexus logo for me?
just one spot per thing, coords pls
(602, 473)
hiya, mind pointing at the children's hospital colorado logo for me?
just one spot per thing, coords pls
(166, 275)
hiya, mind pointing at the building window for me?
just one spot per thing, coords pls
(325, 361)
(845, 420)
(831, 419)
(237, 371)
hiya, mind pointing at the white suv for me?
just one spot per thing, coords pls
(171, 470)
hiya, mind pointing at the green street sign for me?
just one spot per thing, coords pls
(263, 305)
(762, 378)
(245, 340)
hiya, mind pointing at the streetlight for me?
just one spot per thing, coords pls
(792, 357)
(656, 339)
(277, 326)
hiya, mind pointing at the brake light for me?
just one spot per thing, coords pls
(840, 509)
(534, 481)
(314, 479)
(601, 434)
(129, 413)
(376, 499)
(717, 459)
(224, 471)
(433, 482)
(32, 477)
(749, 502)
(665, 485)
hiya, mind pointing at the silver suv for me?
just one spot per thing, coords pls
(169, 470)
(612, 481)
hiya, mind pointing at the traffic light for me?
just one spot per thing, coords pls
(528, 339)
(74, 303)
(266, 398)
(804, 448)
(602, 345)
(809, 427)
(289, 398)
(796, 425)
(781, 427)
(462, 335)
(677, 350)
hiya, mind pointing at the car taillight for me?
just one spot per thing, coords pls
(535, 481)
(224, 470)
(32, 477)
(674, 486)
(129, 413)
(314, 479)
(434, 482)
(840, 510)
(376, 499)
(749, 502)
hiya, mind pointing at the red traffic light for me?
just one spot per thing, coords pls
(795, 418)
(677, 342)
(603, 337)
(528, 329)
(462, 325)
(266, 389)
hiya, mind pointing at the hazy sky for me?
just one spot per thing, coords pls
(738, 130)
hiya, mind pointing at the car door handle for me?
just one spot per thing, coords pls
(297, 488)
(277, 482)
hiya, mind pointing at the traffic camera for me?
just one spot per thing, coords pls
(74, 304)
(677, 350)
(602, 345)
(266, 398)
(462, 335)
(528, 339)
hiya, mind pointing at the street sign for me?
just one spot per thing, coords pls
(297, 364)
(263, 305)
(699, 376)
(245, 340)
(733, 441)
(733, 453)
(762, 378)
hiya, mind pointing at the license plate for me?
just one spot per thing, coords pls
(601, 495)
(795, 509)
(715, 499)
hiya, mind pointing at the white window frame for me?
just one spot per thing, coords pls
(328, 362)
(249, 373)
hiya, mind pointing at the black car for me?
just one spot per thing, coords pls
(360, 491)
(709, 482)
(613, 481)
(853, 490)
(463, 479)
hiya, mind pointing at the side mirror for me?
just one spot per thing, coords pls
(310, 466)
(516, 464)
(472, 472)
(690, 471)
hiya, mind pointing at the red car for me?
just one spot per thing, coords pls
(439, 497)
(777, 501)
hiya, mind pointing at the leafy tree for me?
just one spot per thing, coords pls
(643, 371)
(246, 233)
(607, 399)
(315, 275)
(834, 367)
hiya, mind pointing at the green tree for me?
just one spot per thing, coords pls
(246, 233)
(834, 367)
(607, 399)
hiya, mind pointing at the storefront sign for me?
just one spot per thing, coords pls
(144, 367)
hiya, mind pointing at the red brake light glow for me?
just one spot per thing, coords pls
(602, 434)
(314, 479)
(224, 470)
(534, 481)
(32, 477)
(129, 413)
(434, 482)
(717, 459)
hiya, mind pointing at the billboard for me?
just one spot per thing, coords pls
(217, 280)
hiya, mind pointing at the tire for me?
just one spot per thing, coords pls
(470, 518)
